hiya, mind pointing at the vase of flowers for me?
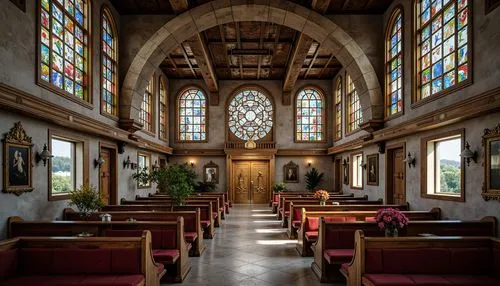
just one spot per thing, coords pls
(391, 221)
(322, 196)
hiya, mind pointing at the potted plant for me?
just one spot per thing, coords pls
(279, 188)
(87, 199)
(322, 196)
(178, 182)
(313, 179)
(142, 176)
(391, 220)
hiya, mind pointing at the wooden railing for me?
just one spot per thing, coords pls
(258, 145)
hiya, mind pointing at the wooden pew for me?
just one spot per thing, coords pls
(224, 206)
(471, 261)
(307, 195)
(206, 218)
(276, 197)
(336, 240)
(193, 232)
(174, 256)
(216, 213)
(309, 228)
(82, 252)
(295, 219)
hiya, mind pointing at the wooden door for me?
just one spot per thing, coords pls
(259, 183)
(338, 175)
(105, 176)
(399, 176)
(250, 182)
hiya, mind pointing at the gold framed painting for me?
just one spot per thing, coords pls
(491, 144)
(291, 173)
(211, 173)
(372, 170)
(17, 158)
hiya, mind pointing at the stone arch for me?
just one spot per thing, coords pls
(280, 12)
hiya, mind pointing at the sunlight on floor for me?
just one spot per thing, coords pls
(275, 242)
(270, 230)
(260, 211)
(264, 215)
(267, 221)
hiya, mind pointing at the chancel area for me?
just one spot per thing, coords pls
(252, 142)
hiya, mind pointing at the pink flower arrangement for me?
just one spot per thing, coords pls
(321, 195)
(391, 219)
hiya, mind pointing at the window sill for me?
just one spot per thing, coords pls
(68, 96)
(61, 197)
(394, 116)
(110, 116)
(357, 188)
(443, 197)
(441, 94)
(353, 132)
(143, 187)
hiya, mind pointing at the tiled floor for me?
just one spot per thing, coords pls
(251, 248)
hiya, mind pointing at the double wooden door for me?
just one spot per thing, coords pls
(251, 182)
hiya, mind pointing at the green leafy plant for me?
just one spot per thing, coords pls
(178, 183)
(279, 187)
(87, 199)
(313, 179)
(204, 187)
(143, 176)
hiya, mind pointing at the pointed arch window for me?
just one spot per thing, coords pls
(338, 108)
(192, 116)
(146, 113)
(63, 65)
(354, 117)
(310, 116)
(443, 47)
(163, 108)
(394, 64)
(109, 64)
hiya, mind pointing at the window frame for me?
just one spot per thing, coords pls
(106, 12)
(163, 135)
(423, 167)
(147, 155)
(338, 129)
(324, 114)
(416, 102)
(89, 102)
(177, 114)
(398, 10)
(152, 107)
(347, 105)
(352, 165)
(70, 137)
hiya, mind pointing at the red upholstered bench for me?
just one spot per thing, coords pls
(472, 261)
(78, 261)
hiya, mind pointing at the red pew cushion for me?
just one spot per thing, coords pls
(311, 236)
(472, 280)
(8, 262)
(434, 280)
(336, 256)
(122, 261)
(287, 213)
(388, 279)
(81, 261)
(166, 255)
(205, 223)
(111, 280)
(296, 223)
(190, 236)
(345, 268)
(416, 261)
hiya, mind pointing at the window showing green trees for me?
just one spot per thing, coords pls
(450, 176)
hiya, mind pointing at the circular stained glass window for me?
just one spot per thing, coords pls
(250, 115)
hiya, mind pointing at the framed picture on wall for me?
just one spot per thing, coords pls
(491, 144)
(17, 158)
(372, 170)
(291, 173)
(211, 173)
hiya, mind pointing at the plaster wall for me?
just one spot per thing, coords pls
(35, 205)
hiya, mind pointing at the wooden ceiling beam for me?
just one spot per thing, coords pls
(204, 60)
(179, 6)
(238, 38)
(312, 61)
(295, 63)
(320, 6)
(187, 60)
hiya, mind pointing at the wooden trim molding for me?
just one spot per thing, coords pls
(15, 100)
(471, 107)
(302, 152)
(199, 152)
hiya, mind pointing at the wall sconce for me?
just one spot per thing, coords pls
(44, 156)
(363, 164)
(410, 160)
(345, 162)
(191, 163)
(155, 166)
(309, 163)
(468, 155)
(129, 164)
(99, 161)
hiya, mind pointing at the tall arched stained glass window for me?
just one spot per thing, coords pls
(146, 113)
(354, 117)
(310, 116)
(442, 52)
(338, 108)
(250, 115)
(394, 64)
(192, 108)
(63, 47)
(109, 94)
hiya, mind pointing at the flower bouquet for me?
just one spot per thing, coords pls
(322, 196)
(391, 220)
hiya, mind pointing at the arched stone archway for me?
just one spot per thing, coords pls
(280, 12)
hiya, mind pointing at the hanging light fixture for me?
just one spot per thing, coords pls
(468, 155)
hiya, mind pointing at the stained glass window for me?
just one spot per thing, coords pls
(354, 117)
(146, 115)
(394, 65)
(63, 46)
(163, 109)
(442, 45)
(109, 100)
(309, 116)
(338, 108)
(250, 115)
(192, 115)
